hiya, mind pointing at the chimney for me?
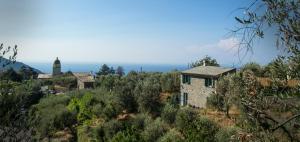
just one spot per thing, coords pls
(204, 64)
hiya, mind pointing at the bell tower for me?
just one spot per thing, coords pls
(56, 67)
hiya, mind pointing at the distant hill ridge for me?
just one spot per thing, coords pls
(16, 66)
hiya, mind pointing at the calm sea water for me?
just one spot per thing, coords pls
(74, 67)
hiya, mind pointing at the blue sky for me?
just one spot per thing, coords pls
(125, 31)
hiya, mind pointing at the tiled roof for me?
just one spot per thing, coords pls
(208, 70)
(84, 77)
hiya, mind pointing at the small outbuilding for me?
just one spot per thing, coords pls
(84, 80)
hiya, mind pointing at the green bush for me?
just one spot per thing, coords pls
(147, 94)
(201, 130)
(153, 131)
(184, 117)
(195, 128)
(171, 136)
(111, 128)
(174, 99)
(226, 134)
(169, 113)
(215, 101)
(140, 121)
(87, 133)
(109, 112)
(51, 114)
(129, 135)
(254, 67)
(170, 82)
(82, 107)
(49, 117)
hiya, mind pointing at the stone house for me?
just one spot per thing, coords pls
(199, 82)
(84, 80)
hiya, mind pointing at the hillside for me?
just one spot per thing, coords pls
(16, 66)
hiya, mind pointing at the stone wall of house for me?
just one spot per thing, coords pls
(197, 91)
(80, 84)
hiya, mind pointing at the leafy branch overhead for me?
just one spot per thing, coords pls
(281, 16)
(9, 53)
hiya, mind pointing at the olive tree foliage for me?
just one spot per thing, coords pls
(209, 61)
(254, 67)
(154, 130)
(171, 136)
(277, 69)
(228, 88)
(9, 53)
(264, 110)
(147, 94)
(13, 99)
(282, 17)
(194, 127)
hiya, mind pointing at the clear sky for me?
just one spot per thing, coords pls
(125, 31)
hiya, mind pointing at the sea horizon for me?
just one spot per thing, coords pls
(94, 67)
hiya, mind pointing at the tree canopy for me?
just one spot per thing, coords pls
(209, 61)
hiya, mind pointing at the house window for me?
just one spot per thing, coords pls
(209, 82)
(184, 98)
(186, 79)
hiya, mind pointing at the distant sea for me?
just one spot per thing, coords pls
(76, 67)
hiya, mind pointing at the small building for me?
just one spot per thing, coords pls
(199, 82)
(84, 80)
(44, 76)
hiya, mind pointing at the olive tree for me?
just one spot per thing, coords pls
(282, 17)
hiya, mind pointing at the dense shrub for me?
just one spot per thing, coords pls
(107, 81)
(174, 99)
(195, 128)
(215, 101)
(147, 93)
(202, 130)
(125, 95)
(226, 134)
(153, 131)
(17, 97)
(111, 128)
(11, 75)
(254, 67)
(184, 117)
(140, 121)
(169, 113)
(172, 136)
(109, 111)
(128, 135)
(170, 82)
(50, 115)
(87, 133)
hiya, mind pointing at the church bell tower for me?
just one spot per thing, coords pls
(56, 67)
